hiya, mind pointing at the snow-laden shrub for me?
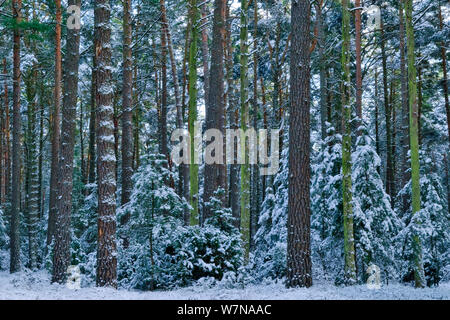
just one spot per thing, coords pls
(326, 208)
(431, 224)
(84, 235)
(269, 258)
(375, 222)
(157, 251)
(4, 239)
(4, 242)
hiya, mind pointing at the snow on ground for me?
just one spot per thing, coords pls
(36, 285)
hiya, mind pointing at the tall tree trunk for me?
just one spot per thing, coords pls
(393, 139)
(116, 131)
(6, 138)
(92, 133)
(205, 50)
(419, 99)
(61, 252)
(136, 117)
(377, 110)
(358, 63)
(299, 273)
(419, 275)
(349, 245)
(255, 191)
(245, 167)
(185, 66)
(183, 170)
(84, 177)
(32, 170)
(265, 126)
(192, 118)
(233, 119)
(405, 175)
(163, 148)
(106, 243)
(41, 149)
(56, 129)
(445, 88)
(276, 108)
(215, 174)
(444, 71)
(387, 113)
(323, 70)
(17, 145)
(127, 108)
(2, 154)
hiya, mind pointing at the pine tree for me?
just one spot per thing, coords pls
(31, 178)
(106, 247)
(414, 141)
(404, 112)
(192, 119)
(56, 129)
(127, 104)
(6, 141)
(245, 168)
(270, 256)
(255, 178)
(215, 174)
(16, 144)
(349, 246)
(299, 271)
(326, 207)
(358, 61)
(62, 237)
(376, 223)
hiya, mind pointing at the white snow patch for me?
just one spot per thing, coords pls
(36, 285)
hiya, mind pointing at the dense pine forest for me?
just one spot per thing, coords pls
(162, 144)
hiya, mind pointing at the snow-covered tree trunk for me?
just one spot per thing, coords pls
(359, 89)
(6, 141)
(56, 129)
(444, 70)
(91, 151)
(62, 236)
(163, 147)
(2, 153)
(127, 107)
(42, 93)
(16, 144)
(106, 160)
(299, 210)
(31, 170)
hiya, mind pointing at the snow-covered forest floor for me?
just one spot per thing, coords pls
(32, 286)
